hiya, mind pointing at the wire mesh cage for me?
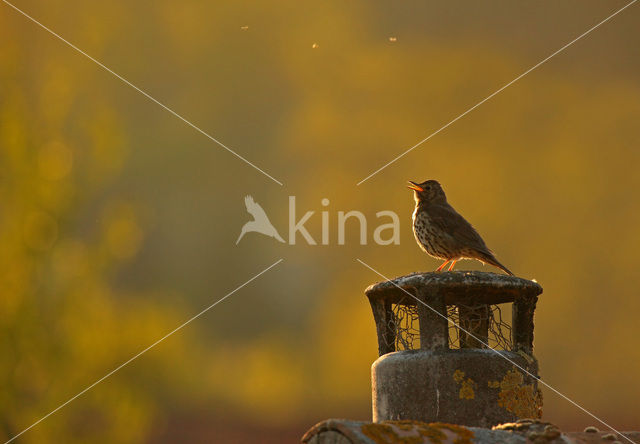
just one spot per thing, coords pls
(465, 324)
(464, 319)
(406, 323)
(456, 310)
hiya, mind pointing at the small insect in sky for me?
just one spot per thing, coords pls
(244, 28)
(393, 39)
(314, 46)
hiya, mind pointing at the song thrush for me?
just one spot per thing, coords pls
(443, 233)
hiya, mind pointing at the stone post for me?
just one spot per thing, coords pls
(471, 385)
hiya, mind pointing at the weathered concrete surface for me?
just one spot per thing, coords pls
(473, 387)
(343, 431)
(463, 286)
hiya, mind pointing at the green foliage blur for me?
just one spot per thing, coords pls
(118, 221)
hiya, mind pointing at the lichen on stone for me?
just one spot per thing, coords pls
(415, 432)
(380, 433)
(466, 385)
(523, 400)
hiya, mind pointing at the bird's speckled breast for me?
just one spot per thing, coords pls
(429, 237)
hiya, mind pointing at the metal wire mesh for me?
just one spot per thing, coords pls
(499, 330)
(405, 322)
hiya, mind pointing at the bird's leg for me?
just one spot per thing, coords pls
(452, 264)
(443, 265)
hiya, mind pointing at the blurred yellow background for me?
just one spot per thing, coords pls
(118, 221)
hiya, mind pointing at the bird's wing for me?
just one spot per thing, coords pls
(255, 209)
(452, 223)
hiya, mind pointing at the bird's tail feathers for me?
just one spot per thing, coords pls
(491, 259)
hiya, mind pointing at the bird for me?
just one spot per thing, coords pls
(442, 232)
(260, 222)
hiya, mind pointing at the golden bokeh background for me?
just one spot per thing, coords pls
(118, 221)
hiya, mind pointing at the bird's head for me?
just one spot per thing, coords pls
(427, 191)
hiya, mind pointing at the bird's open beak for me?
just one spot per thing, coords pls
(414, 186)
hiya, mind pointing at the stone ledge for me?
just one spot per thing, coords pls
(344, 431)
(458, 287)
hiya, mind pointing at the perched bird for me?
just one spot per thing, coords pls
(260, 222)
(442, 233)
